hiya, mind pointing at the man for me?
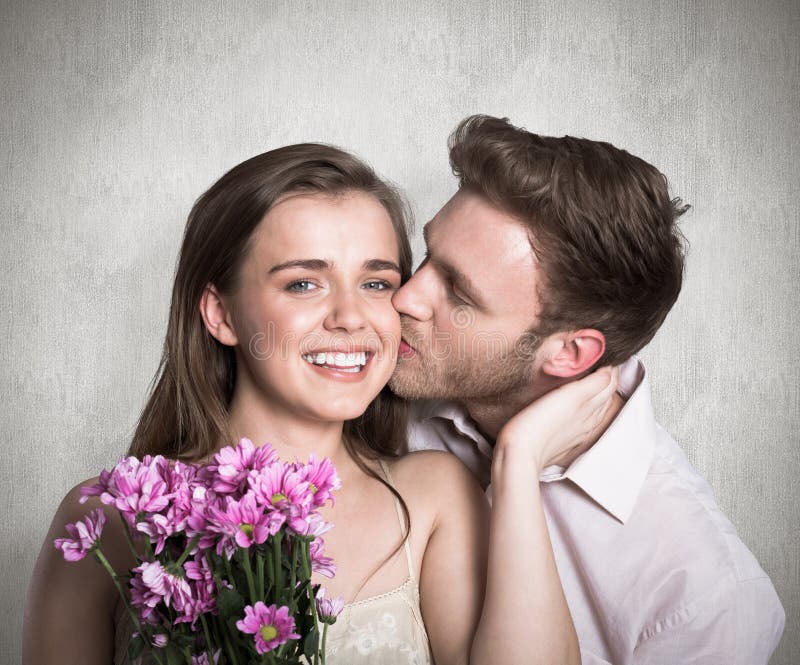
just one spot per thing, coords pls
(557, 256)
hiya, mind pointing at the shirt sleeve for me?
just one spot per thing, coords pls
(738, 623)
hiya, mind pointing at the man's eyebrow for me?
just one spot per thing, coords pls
(454, 273)
(322, 264)
(460, 279)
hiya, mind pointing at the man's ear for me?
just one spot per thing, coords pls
(578, 351)
(217, 317)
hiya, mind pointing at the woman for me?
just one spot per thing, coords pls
(282, 330)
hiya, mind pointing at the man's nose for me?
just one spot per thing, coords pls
(413, 299)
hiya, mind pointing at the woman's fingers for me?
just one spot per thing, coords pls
(599, 405)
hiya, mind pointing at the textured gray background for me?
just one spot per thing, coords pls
(115, 116)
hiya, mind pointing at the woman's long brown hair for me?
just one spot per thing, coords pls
(186, 413)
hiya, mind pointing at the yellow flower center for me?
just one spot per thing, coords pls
(268, 633)
(247, 529)
(277, 498)
(314, 489)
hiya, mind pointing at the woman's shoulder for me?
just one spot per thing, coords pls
(433, 460)
(434, 473)
(75, 507)
(71, 507)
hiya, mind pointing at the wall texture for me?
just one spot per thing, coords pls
(115, 116)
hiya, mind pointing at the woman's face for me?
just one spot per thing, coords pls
(317, 333)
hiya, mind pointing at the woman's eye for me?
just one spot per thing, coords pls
(378, 285)
(301, 286)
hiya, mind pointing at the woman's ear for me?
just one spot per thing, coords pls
(217, 317)
(578, 352)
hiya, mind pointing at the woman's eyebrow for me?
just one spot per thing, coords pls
(308, 264)
(323, 264)
(380, 264)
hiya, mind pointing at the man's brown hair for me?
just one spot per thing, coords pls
(602, 226)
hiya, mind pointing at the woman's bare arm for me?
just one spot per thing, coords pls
(452, 580)
(525, 616)
(69, 607)
(517, 613)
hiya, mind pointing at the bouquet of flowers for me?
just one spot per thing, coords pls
(225, 553)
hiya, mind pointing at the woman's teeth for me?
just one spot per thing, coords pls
(344, 362)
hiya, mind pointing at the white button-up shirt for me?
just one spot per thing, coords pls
(653, 572)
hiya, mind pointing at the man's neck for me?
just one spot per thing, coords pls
(492, 413)
(491, 416)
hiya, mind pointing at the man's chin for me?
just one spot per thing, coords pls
(411, 384)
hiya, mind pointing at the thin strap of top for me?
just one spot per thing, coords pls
(401, 518)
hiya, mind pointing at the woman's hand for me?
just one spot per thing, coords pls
(557, 425)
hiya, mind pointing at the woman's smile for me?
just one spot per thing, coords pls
(340, 366)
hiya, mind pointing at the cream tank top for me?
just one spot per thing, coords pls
(385, 629)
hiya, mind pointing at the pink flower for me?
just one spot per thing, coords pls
(235, 464)
(271, 625)
(197, 519)
(242, 522)
(202, 659)
(85, 536)
(280, 487)
(151, 584)
(200, 577)
(159, 527)
(134, 486)
(309, 524)
(319, 562)
(321, 478)
(328, 608)
(154, 495)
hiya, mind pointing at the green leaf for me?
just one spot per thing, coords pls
(174, 656)
(278, 660)
(230, 603)
(182, 640)
(311, 644)
(135, 648)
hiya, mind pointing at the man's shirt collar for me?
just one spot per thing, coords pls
(613, 470)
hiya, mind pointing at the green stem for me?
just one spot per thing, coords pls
(305, 556)
(248, 571)
(99, 556)
(293, 579)
(324, 637)
(128, 537)
(225, 629)
(260, 573)
(276, 555)
(102, 559)
(148, 546)
(228, 646)
(307, 574)
(209, 643)
(228, 570)
(186, 552)
(219, 641)
(269, 567)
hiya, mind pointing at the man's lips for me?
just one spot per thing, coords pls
(405, 350)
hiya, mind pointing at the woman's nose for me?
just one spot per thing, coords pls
(345, 313)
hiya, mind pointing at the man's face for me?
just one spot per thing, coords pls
(465, 312)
